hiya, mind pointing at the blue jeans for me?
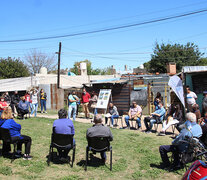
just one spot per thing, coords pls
(127, 121)
(43, 104)
(150, 121)
(34, 109)
(112, 119)
(70, 109)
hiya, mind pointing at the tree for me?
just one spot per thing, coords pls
(36, 59)
(90, 70)
(202, 62)
(12, 68)
(182, 55)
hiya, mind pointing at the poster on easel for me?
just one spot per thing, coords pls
(103, 98)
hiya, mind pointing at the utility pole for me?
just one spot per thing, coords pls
(58, 75)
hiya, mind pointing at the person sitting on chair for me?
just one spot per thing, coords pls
(155, 117)
(63, 125)
(3, 105)
(15, 132)
(99, 130)
(113, 113)
(23, 107)
(134, 113)
(192, 129)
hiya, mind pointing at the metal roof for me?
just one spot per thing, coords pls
(191, 69)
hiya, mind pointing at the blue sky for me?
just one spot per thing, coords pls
(132, 46)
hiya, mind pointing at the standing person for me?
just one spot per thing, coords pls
(134, 113)
(72, 99)
(63, 126)
(85, 100)
(7, 98)
(157, 99)
(99, 130)
(15, 101)
(204, 103)
(34, 102)
(3, 105)
(23, 107)
(43, 99)
(93, 101)
(28, 99)
(191, 98)
(113, 114)
(15, 132)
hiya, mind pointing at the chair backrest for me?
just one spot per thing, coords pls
(5, 135)
(62, 139)
(121, 112)
(98, 143)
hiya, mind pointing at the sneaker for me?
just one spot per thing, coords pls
(41, 112)
(162, 133)
(27, 157)
(18, 154)
(148, 132)
(45, 112)
(111, 126)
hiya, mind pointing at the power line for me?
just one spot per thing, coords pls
(106, 29)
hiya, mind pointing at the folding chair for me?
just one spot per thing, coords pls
(156, 125)
(61, 141)
(98, 144)
(121, 112)
(6, 137)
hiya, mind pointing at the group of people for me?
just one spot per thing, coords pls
(24, 104)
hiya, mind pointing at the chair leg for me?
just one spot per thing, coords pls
(122, 122)
(49, 157)
(86, 159)
(14, 151)
(73, 159)
(111, 159)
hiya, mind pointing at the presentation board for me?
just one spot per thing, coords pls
(103, 98)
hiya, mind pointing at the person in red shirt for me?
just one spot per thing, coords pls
(85, 100)
(28, 99)
(3, 105)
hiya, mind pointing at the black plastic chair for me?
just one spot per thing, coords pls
(6, 137)
(61, 141)
(98, 144)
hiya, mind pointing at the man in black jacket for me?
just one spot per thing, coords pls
(15, 101)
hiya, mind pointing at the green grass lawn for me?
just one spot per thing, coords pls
(134, 152)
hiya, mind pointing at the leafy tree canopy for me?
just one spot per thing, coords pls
(182, 55)
(90, 70)
(12, 68)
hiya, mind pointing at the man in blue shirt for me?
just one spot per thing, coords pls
(63, 126)
(73, 99)
(192, 129)
(155, 117)
(23, 107)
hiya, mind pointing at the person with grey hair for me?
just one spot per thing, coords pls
(191, 129)
(99, 130)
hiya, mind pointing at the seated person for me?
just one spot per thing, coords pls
(23, 107)
(15, 132)
(63, 126)
(99, 130)
(113, 113)
(192, 129)
(197, 112)
(134, 113)
(3, 105)
(155, 117)
(174, 119)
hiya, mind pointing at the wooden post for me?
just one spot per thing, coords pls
(58, 77)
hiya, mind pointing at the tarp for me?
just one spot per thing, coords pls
(177, 86)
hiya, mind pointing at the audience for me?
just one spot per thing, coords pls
(155, 117)
(43, 99)
(3, 105)
(93, 101)
(7, 98)
(15, 101)
(134, 113)
(113, 113)
(15, 132)
(157, 99)
(23, 107)
(63, 125)
(191, 98)
(204, 102)
(197, 112)
(99, 130)
(73, 99)
(192, 129)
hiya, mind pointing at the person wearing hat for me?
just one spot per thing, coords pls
(3, 105)
(204, 103)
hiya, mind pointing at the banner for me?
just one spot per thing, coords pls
(177, 86)
(103, 98)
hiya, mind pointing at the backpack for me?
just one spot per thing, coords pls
(198, 170)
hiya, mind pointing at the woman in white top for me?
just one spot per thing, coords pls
(34, 99)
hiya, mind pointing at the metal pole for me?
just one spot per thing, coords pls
(58, 77)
